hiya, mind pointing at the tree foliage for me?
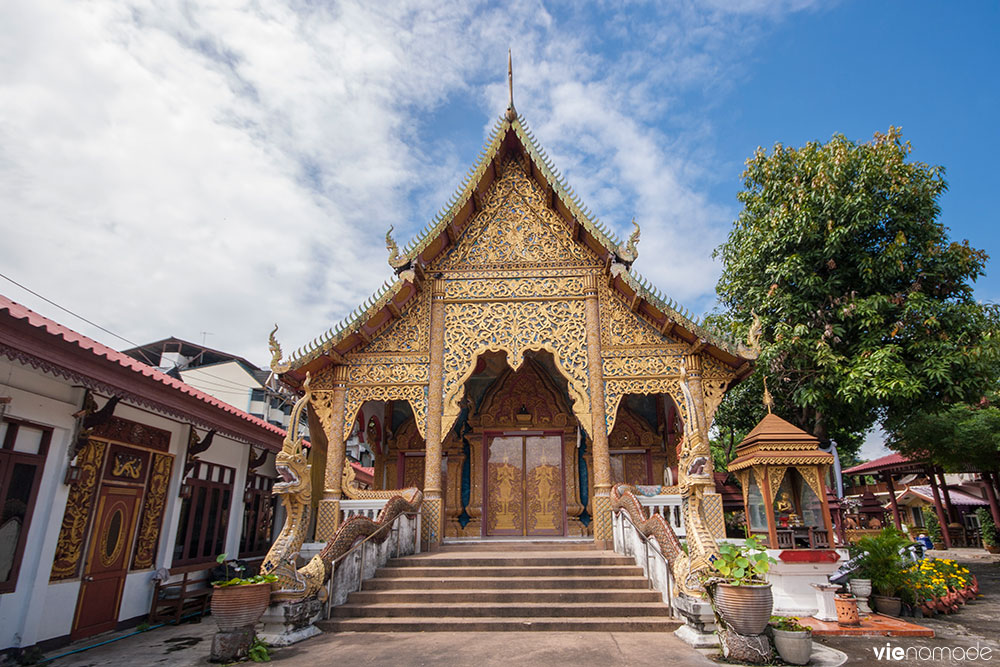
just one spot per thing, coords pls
(866, 306)
(961, 437)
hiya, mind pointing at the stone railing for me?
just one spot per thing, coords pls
(368, 508)
(669, 507)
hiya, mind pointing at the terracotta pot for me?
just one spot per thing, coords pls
(239, 606)
(927, 608)
(847, 610)
(993, 549)
(940, 605)
(887, 605)
(746, 609)
(793, 647)
(938, 546)
(974, 584)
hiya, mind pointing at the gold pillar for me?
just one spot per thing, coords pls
(328, 516)
(599, 426)
(432, 528)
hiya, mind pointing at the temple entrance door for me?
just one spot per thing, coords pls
(524, 485)
(107, 561)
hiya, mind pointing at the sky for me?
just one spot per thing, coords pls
(206, 171)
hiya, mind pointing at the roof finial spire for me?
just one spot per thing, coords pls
(511, 114)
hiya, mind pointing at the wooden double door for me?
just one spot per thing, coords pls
(524, 485)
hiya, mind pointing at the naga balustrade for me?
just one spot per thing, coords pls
(362, 560)
(630, 541)
(669, 507)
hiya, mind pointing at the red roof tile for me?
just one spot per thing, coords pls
(891, 460)
(54, 329)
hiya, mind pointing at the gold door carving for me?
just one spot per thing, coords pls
(524, 486)
(69, 548)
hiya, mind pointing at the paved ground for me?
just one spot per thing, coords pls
(977, 624)
(188, 645)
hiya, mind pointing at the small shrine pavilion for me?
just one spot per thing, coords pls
(782, 472)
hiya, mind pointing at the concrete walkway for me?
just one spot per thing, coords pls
(188, 645)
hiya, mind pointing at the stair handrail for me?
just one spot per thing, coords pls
(621, 514)
(360, 544)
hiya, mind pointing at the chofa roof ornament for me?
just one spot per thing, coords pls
(396, 261)
(628, 252)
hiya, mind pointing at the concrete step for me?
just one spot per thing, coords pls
(551, 596)
(510, 545)
(504, 583)
(488, 560)
(511, 571)
(498, 624)
(505, 610)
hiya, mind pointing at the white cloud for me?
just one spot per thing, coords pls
(168, 170)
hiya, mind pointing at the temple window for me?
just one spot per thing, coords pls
(201, 531)
(22, 458)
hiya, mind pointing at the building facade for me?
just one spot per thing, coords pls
(521, 367)
(110, 473)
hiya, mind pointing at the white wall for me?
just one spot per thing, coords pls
(229, 382)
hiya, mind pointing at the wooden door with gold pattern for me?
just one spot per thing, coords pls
(107, 561)
(524, 485)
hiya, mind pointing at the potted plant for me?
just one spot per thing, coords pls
(239, 601)
(741, 594)
(933, 527)
(882, 562)
(988, 531)
(792, 639)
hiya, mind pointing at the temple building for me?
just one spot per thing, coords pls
(516, 366)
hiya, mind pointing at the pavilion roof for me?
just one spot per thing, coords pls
(510, 133)
(774, 441)
(926, 494)
(891, 463)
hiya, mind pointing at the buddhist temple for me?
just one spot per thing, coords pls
(516, 366)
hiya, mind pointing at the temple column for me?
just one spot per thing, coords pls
(939, 509)
(599, 425)
(431, 527)
(892, 500)
(328, 515)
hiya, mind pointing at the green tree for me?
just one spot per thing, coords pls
(866, 307)
(960, 437)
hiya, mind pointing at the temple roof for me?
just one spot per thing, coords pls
(773, 441)
(509, 134)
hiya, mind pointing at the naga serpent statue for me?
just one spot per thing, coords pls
(696, 476)
(294, 584)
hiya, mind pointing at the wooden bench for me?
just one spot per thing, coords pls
(173, 600)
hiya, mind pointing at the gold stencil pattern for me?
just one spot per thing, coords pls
(152, 512)
(407, 334)
(522, 288)
(621, 327)
(69, 548)
(516, 227)
(515, 327)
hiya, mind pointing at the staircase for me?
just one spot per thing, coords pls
(506, 586)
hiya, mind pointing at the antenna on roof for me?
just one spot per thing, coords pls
(511, 114)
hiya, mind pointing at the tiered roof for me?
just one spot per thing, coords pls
(509, 134)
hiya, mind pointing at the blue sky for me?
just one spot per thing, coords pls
(174, 169)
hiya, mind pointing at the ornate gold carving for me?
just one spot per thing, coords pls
(520, 398)
(774, 476)
(811, 474)
(602, 518)
(124, 465)
(430, 527)
(622, 327)
(640, 366)
(409, 333)
(152, 512)
(272, 343)
(632, 431)
(516, 227)
(521, 288)
(715, 391)
(389, 372)
(69, 548)
(109, 556)
(515, 327)
(542, 491)
(615, 390)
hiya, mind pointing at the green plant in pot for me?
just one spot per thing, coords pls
(988, 531)
(792, 639)
(883, 561)
(742, 596)
(239, 601)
